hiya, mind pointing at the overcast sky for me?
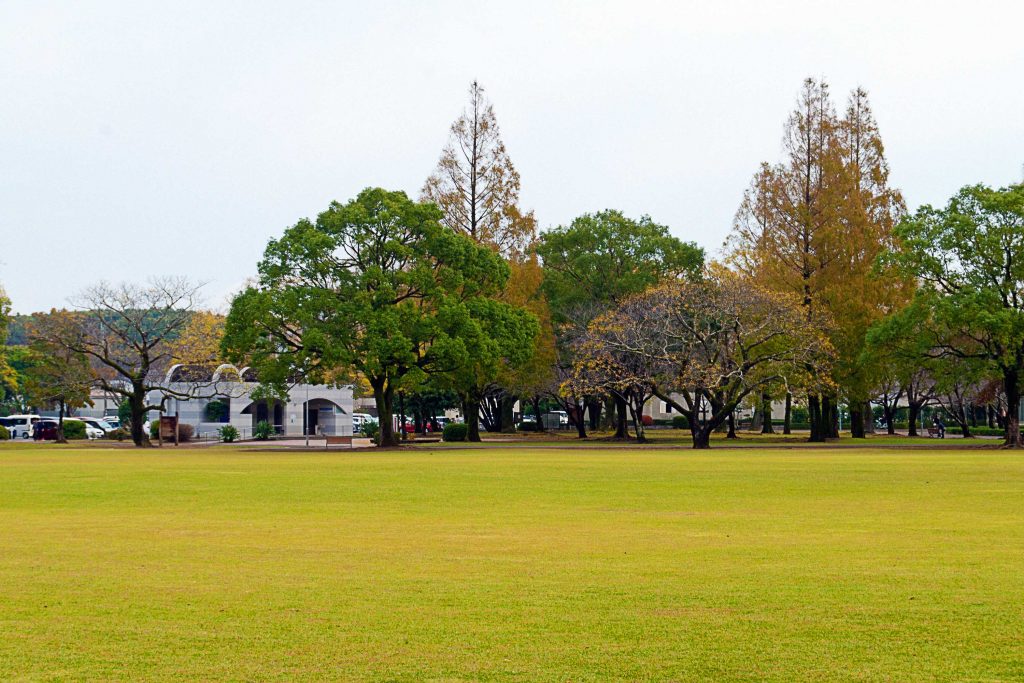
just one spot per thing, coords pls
(142, 138)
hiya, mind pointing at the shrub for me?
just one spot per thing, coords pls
(216, 411)
(4, 434)
(228, 433)
(74, 429)
(646, 420)
(528, 427)
(680, 422)
(119, 434)
(371, 430)
(264, 430)
(456, 431)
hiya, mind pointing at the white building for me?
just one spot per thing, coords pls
(225, 397)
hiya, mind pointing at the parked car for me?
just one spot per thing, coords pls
(44, 430)
(20, 426)
(6, 424)
(113, 420)
(410, 427)
(358, 419)
(98, 423)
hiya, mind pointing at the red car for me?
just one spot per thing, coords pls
(45, 430)
(410, 428)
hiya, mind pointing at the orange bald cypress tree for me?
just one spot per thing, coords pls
(813, 225)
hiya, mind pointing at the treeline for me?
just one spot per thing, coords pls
(829, 294)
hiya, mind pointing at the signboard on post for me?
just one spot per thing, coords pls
(169, 428)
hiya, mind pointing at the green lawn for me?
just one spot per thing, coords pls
(505, 564)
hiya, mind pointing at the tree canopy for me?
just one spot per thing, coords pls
(376, 286)
(713, 342)
(476, 185)
(969, 260)
(814, 224)
(603, 257)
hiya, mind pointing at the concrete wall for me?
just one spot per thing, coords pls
(332, 407)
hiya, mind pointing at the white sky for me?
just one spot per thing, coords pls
(141, 138)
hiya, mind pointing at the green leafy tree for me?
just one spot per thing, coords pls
(59, 376)
(8, 376)
(969, 260)
(593, 264)
(601, 258)
(377, 287)
(489, 335)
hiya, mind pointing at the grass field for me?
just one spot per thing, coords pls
(506, 564)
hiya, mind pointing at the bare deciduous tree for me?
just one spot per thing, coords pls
(126, 331)
(712, 342)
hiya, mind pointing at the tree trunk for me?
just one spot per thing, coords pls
(1011, 386)
(536, 414)
(137, 404)
(508, 413)
(869, 418)
(787, 420)
(832, 418)
(401, 411)
(581, 425)
(890, 419)
(636, 408)
(594, 411)
(857, 420)
(471, 414)
(383, 399)
(814, 416)
(766, 414)
(913, 410)
(621, 430)
(609, 413)
(701, 435)
(990, 413)
(60, 423)
(731, 434)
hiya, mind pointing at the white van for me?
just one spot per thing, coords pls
(20, 426)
